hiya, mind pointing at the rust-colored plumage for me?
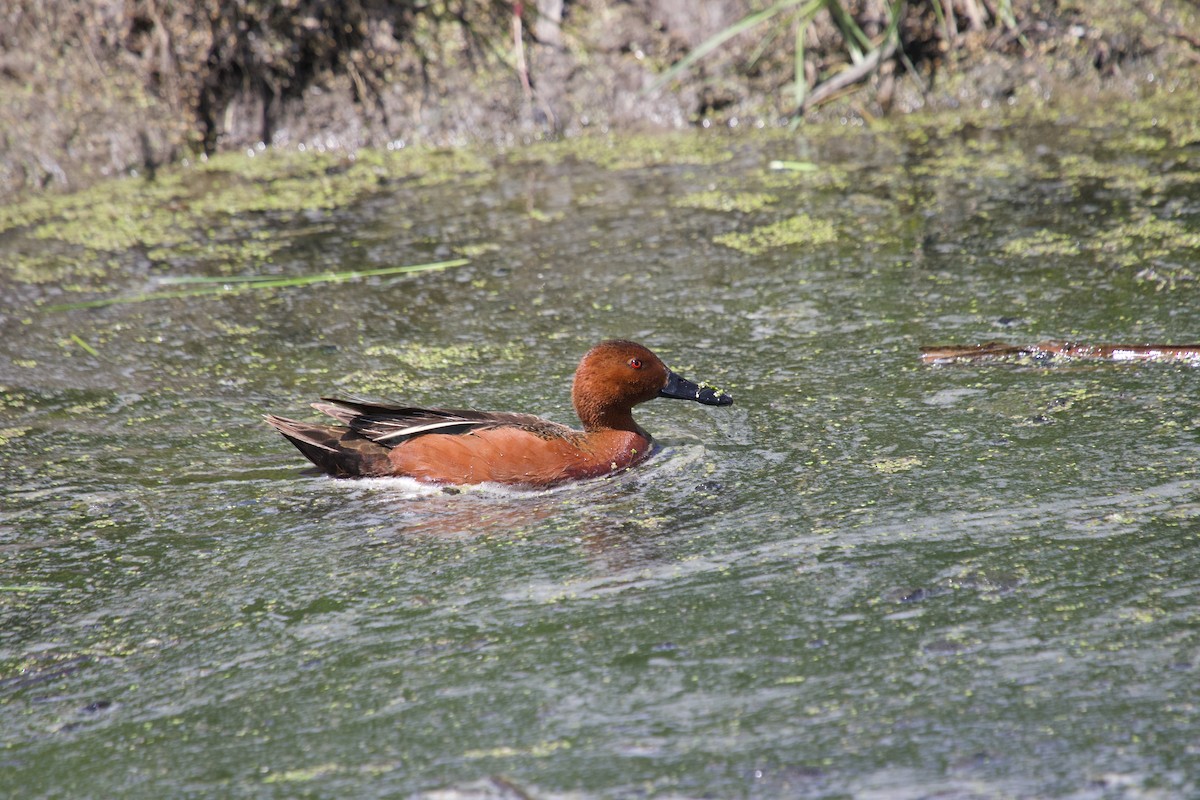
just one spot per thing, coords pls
(462, 447)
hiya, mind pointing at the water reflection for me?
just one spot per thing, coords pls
(870, 576)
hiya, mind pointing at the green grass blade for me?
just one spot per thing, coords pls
(940, 16)
(792, 166)
(800, 88)
(174, 280)
(713, 42)
(761, 48)
(87, 348)
(857, 42)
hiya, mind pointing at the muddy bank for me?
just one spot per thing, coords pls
(92, 90)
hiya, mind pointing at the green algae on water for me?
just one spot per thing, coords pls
(1041, 244)
(798, 230)
(419, 367)
(636, 151)
(208, 212)
(716, 200)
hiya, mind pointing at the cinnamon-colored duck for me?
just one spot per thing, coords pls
(462, 447)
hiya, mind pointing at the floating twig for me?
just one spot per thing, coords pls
(1048, 350)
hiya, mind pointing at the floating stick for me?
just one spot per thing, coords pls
(1056, 350)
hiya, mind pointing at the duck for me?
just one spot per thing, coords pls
(457, 447)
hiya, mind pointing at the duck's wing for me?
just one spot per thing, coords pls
(333, 448)
(392, 425)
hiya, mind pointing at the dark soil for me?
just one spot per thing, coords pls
(96, 89)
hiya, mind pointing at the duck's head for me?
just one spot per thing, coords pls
(616, 375)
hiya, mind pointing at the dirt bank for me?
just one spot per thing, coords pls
(98, 89)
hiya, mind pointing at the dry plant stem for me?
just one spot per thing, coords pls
(519, 52)
(849, 77)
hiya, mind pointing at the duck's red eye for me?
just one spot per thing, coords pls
(636, 363)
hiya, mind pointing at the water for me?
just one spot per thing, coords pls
(868, 578)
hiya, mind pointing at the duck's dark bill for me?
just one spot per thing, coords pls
(683, 389)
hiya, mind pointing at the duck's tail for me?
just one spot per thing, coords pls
(336, 450)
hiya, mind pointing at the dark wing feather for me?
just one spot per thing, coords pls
(336, 450)
(391, 425)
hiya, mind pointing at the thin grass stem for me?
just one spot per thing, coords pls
(713, 42)
(87, 348)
